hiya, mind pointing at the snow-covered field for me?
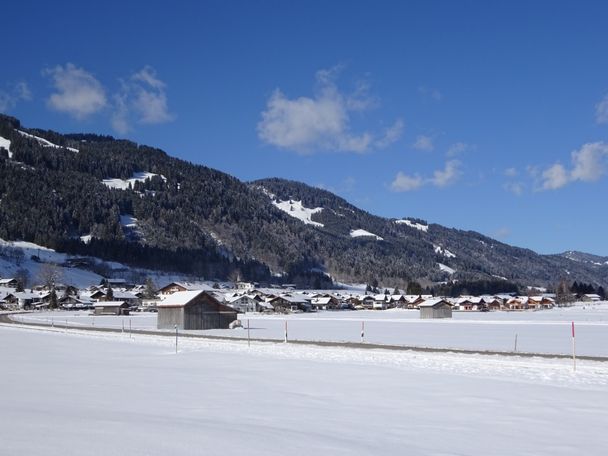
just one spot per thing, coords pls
(95, 394)
(545, 331)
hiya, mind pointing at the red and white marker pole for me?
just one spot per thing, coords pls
(362, 331)
(573, 348)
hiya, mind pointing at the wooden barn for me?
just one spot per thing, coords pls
(196, 309)
(435, 308)
(111, 308)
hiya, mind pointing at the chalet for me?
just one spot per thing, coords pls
(115, 283)
(412, 301)
(174, 287)
(325, 303)
(111, 308)
(243, 303)
(398, 300)
(435, 308)
(288, 303)
(9, 283)
(380, 302)
(470, 303)
(587, 297)
(195, 309)
(517, 303)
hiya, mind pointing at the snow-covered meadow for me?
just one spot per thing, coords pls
(91, 394)
(546, 331)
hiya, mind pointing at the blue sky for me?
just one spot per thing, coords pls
(485, 116)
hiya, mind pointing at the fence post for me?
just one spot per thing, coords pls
(362, 332)
(515, 350)
(130, 331)
(573, 348)
(248, 335)
(176, 336)
(285, 331)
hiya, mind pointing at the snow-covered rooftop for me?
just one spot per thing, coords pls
(180, 298)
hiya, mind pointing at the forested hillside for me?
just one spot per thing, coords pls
(95, 195)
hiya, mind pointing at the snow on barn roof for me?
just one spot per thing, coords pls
(179, 298)
(109, 304)
(432, 302)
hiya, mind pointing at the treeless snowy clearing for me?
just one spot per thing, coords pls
(91, 394)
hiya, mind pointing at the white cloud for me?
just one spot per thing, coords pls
(405, 183)
(433, 94)
(458, 148)
(511, 172)
(502, 233)
(423, 143)
(119, 119)
(391, 134)
(322, 122)
(13, 95)
(441, 178)
(554, 177)
(517, 188)
(448, 175)
(588, 165)
(150, 98)
(77, 92)
(601, 111)
(142, 99)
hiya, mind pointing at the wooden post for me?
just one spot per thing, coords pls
(573, 348)
(515, 350)
(362, 332)
(248, 335)
(176, 336)
(130, 331)
(285, 331)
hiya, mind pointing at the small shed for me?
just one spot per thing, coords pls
(435, 308)
(195, 309)
(111, 308)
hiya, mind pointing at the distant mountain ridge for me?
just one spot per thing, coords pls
(95, 195)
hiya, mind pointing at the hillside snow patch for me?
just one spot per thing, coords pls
(297, 210)
(123, 184)
(364, 233)
(45, 142)
(418, 226)
(7, 145)
(441, 251)
(447, 269)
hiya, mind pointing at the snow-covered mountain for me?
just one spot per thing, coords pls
(96, 196)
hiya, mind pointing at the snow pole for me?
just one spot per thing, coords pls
(573, 348)
(130, 331)
(362, 332)
(176, 337)
(66, 325)
(248, 335)
(52, 322)
(285, 331)
(515, 350)
(123, 326)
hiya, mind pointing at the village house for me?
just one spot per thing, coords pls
(174, 287)
(587, 297)
(243, 303)
(9, 283)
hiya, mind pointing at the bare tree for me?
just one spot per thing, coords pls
(49, 275)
